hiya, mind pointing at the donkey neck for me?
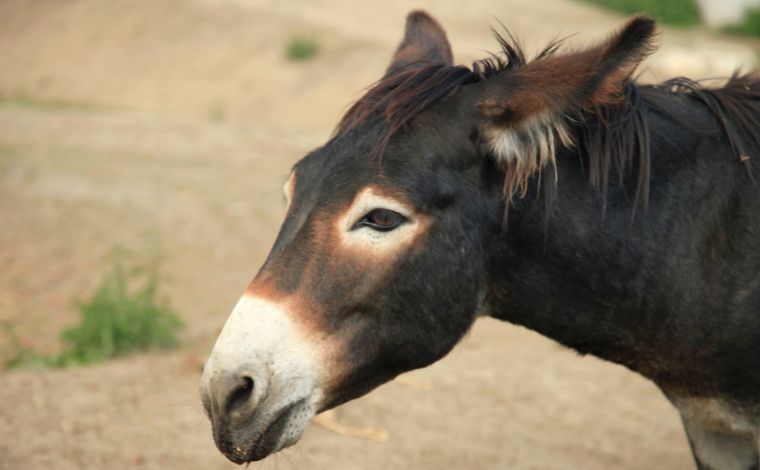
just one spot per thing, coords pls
(571, 284)
(593, 279)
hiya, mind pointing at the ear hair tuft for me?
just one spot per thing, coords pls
(526, 149)
(525, 111)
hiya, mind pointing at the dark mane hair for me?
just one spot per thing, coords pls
(398, 97)
(613, 135)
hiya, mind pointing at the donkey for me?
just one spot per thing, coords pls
(619, 219)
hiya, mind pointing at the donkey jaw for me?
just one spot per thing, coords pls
(262, 382)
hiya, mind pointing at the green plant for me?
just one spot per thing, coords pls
(299, 49)
(18, 355)
(674, 12)
(749, 26)
(125, 315)
(118, 320)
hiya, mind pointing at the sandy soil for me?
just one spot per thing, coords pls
(124, 121)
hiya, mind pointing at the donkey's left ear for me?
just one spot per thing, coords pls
(424, 41)
(524, 109)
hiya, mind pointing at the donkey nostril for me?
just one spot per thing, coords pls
(240, 396)
(232, 397)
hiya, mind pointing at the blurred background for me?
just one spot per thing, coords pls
(143, 147)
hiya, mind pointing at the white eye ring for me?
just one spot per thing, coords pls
(354, 234)
(369, 200)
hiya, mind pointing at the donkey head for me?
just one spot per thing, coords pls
(386, 254)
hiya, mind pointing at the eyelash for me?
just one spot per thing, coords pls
(370, 220)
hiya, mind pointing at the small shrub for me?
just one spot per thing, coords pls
(674, 12)
(299, 49)
(749, 26)
(117, 321)
(125, 315)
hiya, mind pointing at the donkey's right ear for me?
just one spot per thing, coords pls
(424, 41)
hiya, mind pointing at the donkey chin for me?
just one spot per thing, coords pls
(260, 386)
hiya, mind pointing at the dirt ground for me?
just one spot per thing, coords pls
(124, 121)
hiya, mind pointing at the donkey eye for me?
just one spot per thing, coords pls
(382, 220)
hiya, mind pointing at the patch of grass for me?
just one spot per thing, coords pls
(673, 12)
(33, 102)
(19, 355)
(749, 26)
(300, 49)
(120, 320)
(125, 315)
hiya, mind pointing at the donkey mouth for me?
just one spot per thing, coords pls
(252, 442)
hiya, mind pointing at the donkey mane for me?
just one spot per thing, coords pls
(614, 133)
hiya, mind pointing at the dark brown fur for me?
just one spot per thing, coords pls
(613, 129)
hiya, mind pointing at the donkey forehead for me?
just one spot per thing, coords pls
(411, 168)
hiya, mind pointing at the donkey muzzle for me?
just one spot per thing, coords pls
(260, 384)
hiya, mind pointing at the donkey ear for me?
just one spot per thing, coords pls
(424, 41)
(524, 109)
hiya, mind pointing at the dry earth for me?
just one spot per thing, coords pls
(178, 120)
